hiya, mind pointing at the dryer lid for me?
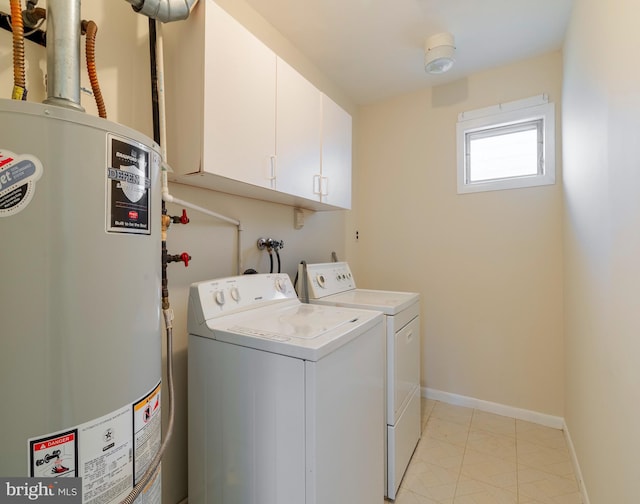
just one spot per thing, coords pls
(388, 302)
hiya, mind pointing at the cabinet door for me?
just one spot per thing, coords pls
(239, 101)
(336, 154)
(297, 133)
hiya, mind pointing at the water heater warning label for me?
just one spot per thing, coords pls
(18, 176)
(55, 455)
(128, 186)
(110, 453)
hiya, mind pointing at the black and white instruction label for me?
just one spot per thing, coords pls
(106, 455)
(128, 186)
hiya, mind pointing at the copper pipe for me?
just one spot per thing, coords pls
(19, 87)
(90, 29)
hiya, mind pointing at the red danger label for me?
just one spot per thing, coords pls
(133, 215)
(55, 442)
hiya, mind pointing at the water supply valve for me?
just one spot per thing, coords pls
(270, 244)
(275, 244)
(184, 258)
(167, 220)
(182, 219)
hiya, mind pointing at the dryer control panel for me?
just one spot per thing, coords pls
(325, 279)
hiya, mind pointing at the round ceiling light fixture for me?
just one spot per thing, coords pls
(438, 53)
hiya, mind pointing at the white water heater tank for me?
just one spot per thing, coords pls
(80, 269)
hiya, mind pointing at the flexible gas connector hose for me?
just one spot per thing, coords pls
(90, 29)
(19, 86)
(155, 462)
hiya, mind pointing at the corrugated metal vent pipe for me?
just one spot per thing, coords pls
(164, 10)
(63, 53)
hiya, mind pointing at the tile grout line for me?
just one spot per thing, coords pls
(455, 492)
(475, 413)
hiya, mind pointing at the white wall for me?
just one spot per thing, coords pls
(488, 265)
(122, 53)
(602, 245)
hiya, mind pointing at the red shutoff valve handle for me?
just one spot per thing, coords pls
(183, 258)
(183, 219)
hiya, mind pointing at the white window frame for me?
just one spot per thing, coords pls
(507, 114)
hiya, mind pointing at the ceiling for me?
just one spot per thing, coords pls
(373, 49)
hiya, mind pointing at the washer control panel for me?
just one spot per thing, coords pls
(214, 298)
(325, 279)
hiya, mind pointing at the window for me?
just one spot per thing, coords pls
(507, 146)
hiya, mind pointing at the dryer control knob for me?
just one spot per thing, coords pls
(235, 294)
(219, 297)
(321, 280)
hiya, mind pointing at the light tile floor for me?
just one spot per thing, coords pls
(467, 456)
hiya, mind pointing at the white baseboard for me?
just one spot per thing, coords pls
(519, 413)
(576, 465)
(491, 407)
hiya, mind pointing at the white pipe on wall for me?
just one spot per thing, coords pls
(166, 196)
(169, 198)
(164, 10)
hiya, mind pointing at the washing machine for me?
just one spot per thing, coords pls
(281, 396)
(333, 284)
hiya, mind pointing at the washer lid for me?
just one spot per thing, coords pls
(388, 302)
(301, 322)
(298, 330)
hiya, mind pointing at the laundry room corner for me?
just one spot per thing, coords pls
(488, 265)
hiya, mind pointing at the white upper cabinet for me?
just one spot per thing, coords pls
(297, 132)
(335, 182)
(243, 121)
(238, 102)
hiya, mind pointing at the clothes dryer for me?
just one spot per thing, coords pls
(281, 395)
(333, 284)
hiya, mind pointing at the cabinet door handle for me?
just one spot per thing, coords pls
(409, 336)
(317, 185)
(324, 186)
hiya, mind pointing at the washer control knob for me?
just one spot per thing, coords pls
(280, 285)
(219, 297)
(321, 280)
(235, 294)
